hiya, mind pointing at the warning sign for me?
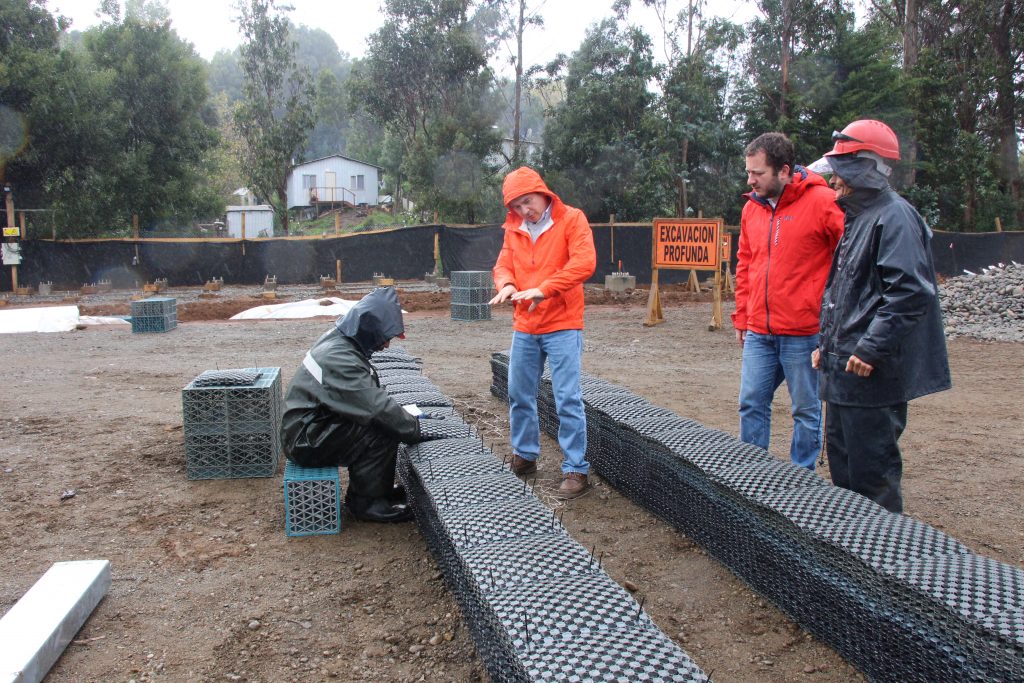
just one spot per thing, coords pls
(12, 232)
(687, 243)
(726, 246)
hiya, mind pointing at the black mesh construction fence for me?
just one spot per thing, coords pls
(405, 253)
(900, 600)
(538, 605)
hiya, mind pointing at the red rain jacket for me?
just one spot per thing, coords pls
(784, 257)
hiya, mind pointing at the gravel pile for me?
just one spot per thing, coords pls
(987, 305)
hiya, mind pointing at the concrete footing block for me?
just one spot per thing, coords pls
(34, 633)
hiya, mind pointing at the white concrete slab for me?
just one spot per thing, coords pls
(42, 319)
(308, 308)
(34, 633)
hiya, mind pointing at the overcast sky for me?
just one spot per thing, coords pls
(209, 24)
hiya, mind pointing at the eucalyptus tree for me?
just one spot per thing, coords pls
(165, 124)
(699, 138)
(965, 59)
(599, 140)
(276, 112)
(426, 82)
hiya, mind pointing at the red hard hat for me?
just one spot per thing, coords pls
(866, 135)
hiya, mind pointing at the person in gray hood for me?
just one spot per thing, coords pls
(337, 414)
(882, 342)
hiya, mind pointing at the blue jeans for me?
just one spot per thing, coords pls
(767, 360)
(563, 351)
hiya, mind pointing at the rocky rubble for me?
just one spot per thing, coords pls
(987, 305)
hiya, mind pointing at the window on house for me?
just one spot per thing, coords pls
(308, 181)
(357, 182)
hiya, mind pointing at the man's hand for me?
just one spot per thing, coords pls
(503, 294)
(859, 367)
(816, 359)
(534, 296)
(740, 336)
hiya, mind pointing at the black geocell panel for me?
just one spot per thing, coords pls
(899, 599)
(523, 584)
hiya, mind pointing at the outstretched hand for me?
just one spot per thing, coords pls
(503, 294)
(534, 296)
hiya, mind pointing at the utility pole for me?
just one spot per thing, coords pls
(11, 233)
(518, 111)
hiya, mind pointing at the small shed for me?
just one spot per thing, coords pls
(259, 221)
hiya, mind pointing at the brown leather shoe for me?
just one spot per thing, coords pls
(574, 485)
(521, 466)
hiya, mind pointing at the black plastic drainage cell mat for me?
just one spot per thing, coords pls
(476, 574)
(443, 469)
(407, 384)
(447, 448)
(411, 379)
(433, 429)
(522, 560)
(544, 612)
(423, 399)
(899, 599)
(470, 527)
(637, 655)
(470, 491)
(816, 507)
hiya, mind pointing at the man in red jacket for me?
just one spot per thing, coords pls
(788, 232)
(547, 255)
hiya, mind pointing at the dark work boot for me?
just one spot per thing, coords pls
(398, 495)
(521, 466)
(368, 509)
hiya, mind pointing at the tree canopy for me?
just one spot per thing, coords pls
(125, 119)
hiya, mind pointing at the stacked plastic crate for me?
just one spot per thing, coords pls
(154, 315)
(232, 421)
(471, 291)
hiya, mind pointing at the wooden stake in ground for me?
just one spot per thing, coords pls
(654, 316)
(693, 284)
(716, 305)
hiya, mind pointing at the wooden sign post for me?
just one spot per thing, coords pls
(685, 243)
(728, 285)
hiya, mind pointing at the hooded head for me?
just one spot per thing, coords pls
(520, 182)
(374, 321)
(859, 171)
(859, 154)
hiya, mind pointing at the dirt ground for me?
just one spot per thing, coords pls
(207, 587)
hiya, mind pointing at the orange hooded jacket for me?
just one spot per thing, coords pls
(557, 264)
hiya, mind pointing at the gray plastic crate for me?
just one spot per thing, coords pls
(471, 279)
(471, 311)
(232, 421)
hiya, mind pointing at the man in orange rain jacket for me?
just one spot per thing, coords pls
(547, 255)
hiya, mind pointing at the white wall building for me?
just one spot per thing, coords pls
(331, 180)
(259, 221)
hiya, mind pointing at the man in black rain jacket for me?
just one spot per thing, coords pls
(882, 342)
(337, 414)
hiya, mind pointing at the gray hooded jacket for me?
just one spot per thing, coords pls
(881, 299)
(336, 386)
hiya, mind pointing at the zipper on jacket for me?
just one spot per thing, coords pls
(768, 267)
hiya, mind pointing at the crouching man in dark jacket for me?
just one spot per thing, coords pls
(881, 341)
(337, 414)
